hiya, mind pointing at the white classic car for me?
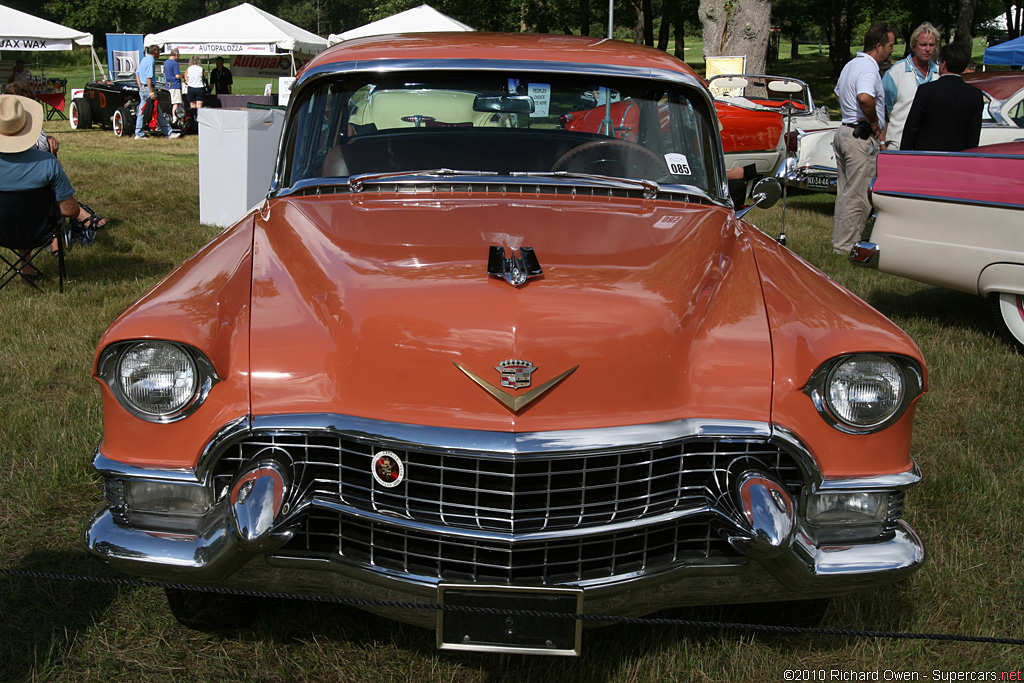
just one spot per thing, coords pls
(761, 117)
(814, 166)
(956, 220)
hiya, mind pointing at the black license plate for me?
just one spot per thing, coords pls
(515, 633)
(819, 182)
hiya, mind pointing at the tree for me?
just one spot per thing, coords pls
(737, 27)
(964, 22)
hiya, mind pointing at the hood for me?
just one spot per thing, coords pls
(368, 305)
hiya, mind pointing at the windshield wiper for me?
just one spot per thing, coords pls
(355, 183)
(650, 187)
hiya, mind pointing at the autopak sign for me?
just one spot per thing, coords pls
(222, 48)
(263, 66)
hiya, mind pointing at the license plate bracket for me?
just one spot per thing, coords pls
(509, 633)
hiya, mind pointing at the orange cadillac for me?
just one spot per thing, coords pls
(465, 355)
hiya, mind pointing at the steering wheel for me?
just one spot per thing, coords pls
(610, 157)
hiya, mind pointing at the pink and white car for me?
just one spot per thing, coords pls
(814, 166)
(956, 220)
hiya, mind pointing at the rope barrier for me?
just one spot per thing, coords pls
(640, 621)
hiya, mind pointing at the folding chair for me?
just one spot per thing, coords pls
(30, 221)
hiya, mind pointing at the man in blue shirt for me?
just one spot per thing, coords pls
(172, 77)
(23, 166)
(144, 76)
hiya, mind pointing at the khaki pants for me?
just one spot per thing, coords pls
(856, 162)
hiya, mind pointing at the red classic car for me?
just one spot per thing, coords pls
(464, 354)
(956, 220)
(755, 114)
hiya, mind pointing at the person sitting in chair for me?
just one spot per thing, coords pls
(86, 216)
(25, 167)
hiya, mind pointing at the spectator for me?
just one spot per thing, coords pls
(971, 67)
(144, 77)
(862, 103)
(19, 74)
(172, 77)
(220, 78)
(946, 114)
(195, 78)
(22, 165)
(902, 80)
(47, 143)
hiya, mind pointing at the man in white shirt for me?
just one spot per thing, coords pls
(862, 103)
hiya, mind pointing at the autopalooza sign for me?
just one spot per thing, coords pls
(263, 66)
(33, 44)
(222, 48)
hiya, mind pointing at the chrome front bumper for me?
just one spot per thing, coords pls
(243, 540)
(217, 558)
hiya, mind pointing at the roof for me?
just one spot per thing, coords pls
(998, 85)
(21, 31)
(502, 47)
(245, 27)
(416, 20)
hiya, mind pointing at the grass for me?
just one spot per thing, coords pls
(968, 509)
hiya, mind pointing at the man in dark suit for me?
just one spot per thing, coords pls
(946, 113)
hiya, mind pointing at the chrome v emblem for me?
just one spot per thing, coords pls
(516, 403)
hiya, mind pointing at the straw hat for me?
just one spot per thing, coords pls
(21, 121)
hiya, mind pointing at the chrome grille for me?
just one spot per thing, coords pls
(425, 554)
(529, 494)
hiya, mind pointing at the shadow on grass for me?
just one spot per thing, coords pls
(944, 307)
(41, 618)
(106, 267)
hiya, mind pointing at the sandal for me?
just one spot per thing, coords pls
(83, 232)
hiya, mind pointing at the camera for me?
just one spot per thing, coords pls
(863, 130)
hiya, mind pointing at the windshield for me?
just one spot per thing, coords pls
(501, 123)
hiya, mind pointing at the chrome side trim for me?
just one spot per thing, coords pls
(949, 200)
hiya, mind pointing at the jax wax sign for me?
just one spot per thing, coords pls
(33, 44)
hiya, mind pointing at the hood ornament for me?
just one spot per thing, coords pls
(516, 374)
(517, 269)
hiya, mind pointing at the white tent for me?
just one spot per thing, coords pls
(242, 29)
(26, 33)
(422, 19)
(20, 31)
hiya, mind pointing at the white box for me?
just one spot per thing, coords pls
(237, 153)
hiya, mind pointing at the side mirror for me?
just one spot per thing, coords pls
(765, 194)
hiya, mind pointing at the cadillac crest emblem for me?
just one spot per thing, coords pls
(387, 469)
(515, 374)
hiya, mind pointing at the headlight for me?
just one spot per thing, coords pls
(157, 381)
(163, 506)
(847, 517)
(863, 393)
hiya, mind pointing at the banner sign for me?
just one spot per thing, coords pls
(34, 44)
(124, 51)
(269, 66)
(222, 48)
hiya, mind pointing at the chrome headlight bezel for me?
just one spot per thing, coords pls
(204, 374)
(818, 389)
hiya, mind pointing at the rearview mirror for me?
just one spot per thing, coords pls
(504, 104)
